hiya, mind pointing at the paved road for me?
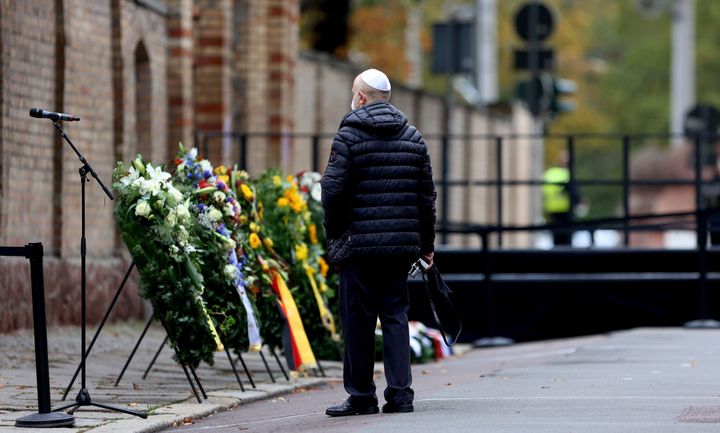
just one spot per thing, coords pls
(645, 380)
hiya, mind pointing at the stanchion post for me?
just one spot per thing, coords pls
(45, 417)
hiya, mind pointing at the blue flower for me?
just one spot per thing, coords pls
(221, 185)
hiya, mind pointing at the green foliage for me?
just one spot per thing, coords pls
(163, 256)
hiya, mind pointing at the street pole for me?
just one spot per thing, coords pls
(682, 64)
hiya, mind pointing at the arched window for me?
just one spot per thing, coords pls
(143, 102)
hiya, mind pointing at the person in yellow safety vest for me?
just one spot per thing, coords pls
(560, 197)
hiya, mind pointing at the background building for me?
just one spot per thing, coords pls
(144, 75)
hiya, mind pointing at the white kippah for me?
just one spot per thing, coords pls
(376, 80)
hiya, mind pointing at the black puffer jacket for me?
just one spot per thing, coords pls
(378, 189)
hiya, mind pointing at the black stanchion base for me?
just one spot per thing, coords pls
(46, 420)
(702, 324)
(493, 342)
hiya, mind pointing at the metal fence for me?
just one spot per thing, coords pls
(498, 177)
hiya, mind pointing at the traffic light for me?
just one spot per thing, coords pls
(537, 93)
(561, 89)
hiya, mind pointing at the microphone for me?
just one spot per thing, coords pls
(42, 114)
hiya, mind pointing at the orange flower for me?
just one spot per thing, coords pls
(323, 267)
(313, 233)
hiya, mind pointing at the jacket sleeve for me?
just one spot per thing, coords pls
(335, 189)
(427, 207)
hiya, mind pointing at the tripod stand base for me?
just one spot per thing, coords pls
(46, 420)
(83, 399)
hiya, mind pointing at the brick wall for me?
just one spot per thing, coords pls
(27, 145)
(211, 79)
(143, 29)
(61, 56)
(180, 73)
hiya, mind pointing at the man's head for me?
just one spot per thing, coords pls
(370, 86)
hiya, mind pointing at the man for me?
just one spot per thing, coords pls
(561, 200)
(378, 197)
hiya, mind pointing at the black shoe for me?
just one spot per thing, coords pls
(398, 407)
(346, 409)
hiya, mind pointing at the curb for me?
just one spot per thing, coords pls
(218, 401)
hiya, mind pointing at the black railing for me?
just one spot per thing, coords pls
(498, 179)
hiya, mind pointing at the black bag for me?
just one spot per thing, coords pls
(339, 249)
(439, 295)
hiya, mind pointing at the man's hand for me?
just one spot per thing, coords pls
(428, 258)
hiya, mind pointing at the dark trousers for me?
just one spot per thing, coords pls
(368, 289)
(562, 235)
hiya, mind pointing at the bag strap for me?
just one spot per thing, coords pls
(440, 283)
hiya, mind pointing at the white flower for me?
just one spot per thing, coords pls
(130, 178)
(171, 218)
(219, 196)
(183, 210)
(175, 194)
(316, 192)
(142, 208)
(156, 173)
(214, 215)
(193, 153)
(230, 271)
(229, 209)
(206, 166)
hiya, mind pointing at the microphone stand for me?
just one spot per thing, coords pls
(83, 397)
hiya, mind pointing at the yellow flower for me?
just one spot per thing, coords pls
(301, 252)
(247, 192)
(313, 234)
(323, 267)
(282, 202)
(290, 178)
(298, 206)
(268, 243)
(254, 228)
(224, 179)
(243, 219)
(255, 240)
(221, 170)
(276, 180)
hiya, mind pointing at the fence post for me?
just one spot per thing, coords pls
(701, 227)
(445, 187)
(315, 152)
(570, 143)
(499, 179)
(243, 151)
(626, 189)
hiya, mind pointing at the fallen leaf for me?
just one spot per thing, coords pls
(425, 372)
(137, 386)
(188, 421)
(132, 404)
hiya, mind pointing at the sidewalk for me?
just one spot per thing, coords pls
(166, 394)
(653, 380)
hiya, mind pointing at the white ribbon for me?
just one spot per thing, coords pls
(253, 330)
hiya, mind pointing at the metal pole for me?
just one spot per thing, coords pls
(445, 187)
(132, 354)
(626, 189)
(315, 153)
(243, 151)
(35, 255)
(499, 178)
(682, 64)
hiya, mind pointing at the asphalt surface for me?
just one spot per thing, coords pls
(643, 380)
